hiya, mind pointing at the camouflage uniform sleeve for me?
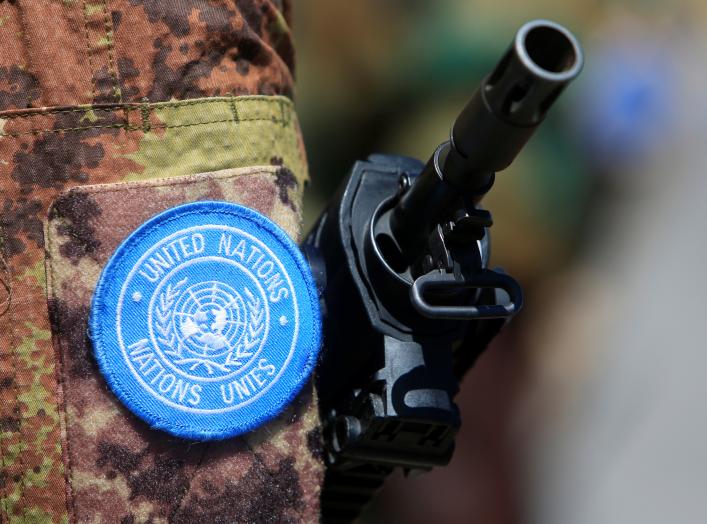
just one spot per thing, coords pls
(109, 113)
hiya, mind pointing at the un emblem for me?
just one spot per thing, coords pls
(208, 325)
(205, 321)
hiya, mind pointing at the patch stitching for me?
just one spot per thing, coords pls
(261, 222)
(99, 304)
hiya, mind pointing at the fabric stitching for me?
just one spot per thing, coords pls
(144, 115)
(38, 131)
(245, 98)
(129, 127)
(13, 357)
(152, 106)
(285, 119)
(108, 25)
(5, 281)
(167, 182)
(234, 110)
(126, 116)
(26, 40)
(81, 109)
(4, 492)
(59, 357)
(88, 50)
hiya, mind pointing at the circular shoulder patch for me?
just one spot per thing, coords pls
(205, 321)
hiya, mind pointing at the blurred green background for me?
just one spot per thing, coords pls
(390, 76)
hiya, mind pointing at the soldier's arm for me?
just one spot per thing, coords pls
(113, 112)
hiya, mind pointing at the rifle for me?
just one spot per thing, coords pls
(401, 258)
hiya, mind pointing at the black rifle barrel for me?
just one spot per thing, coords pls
(491, 130)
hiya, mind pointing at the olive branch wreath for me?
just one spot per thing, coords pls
(253, 331)
(163, 314)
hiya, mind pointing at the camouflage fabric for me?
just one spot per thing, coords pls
(136, 473)
(95, 96)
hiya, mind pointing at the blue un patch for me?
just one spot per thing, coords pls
(205, 322)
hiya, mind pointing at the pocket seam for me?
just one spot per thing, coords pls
(5, 277)
(130, 127)
(180, 180)
(12, 355)
(134, 106)
(59, 377)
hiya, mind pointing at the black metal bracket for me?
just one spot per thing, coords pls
(440, 282)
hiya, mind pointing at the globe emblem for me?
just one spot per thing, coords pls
(209, 319)
(207, 328)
